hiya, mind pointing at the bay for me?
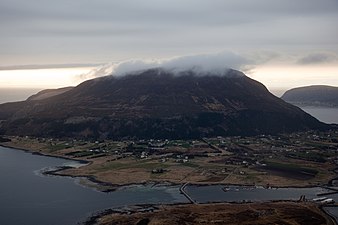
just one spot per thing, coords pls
(29, 198)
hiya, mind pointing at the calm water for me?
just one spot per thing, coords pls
(16, 94)
(333, 210)
(215, 193)
(326, 115)
(27, 198)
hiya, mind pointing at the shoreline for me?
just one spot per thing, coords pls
(44, 154)
(113, 187)
(332, 217)
(153, 208)
(120, 166)
(104, 184)
(55, 172)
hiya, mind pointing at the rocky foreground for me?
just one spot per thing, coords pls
(230, 214)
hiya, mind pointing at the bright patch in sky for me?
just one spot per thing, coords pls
(290, 76)
(277, 78)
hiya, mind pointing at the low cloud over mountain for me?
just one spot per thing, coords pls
(201, 64)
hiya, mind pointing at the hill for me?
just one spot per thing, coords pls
(48, 93)
(157, 103)
(316, 95)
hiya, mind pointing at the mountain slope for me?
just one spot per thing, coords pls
(316, 95)
(158, 104)
(48, 93)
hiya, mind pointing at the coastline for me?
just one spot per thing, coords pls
(114, 181)
(332, 217)
(105, 186)
(33, 152)
(102, 185)
(108, 187)
(113, 187)
(147, 210)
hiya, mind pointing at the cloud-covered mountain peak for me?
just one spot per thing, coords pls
(205, 64)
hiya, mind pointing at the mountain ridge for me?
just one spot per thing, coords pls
(47, 93)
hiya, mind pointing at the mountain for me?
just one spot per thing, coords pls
(48, 93)
(157, 103)
(316, 95)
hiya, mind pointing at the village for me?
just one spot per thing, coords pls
(298, 159)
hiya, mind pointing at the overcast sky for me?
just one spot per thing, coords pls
(45, 32)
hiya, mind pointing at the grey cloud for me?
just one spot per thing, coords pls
(189, 12)
(317, 58)
(119, 29)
